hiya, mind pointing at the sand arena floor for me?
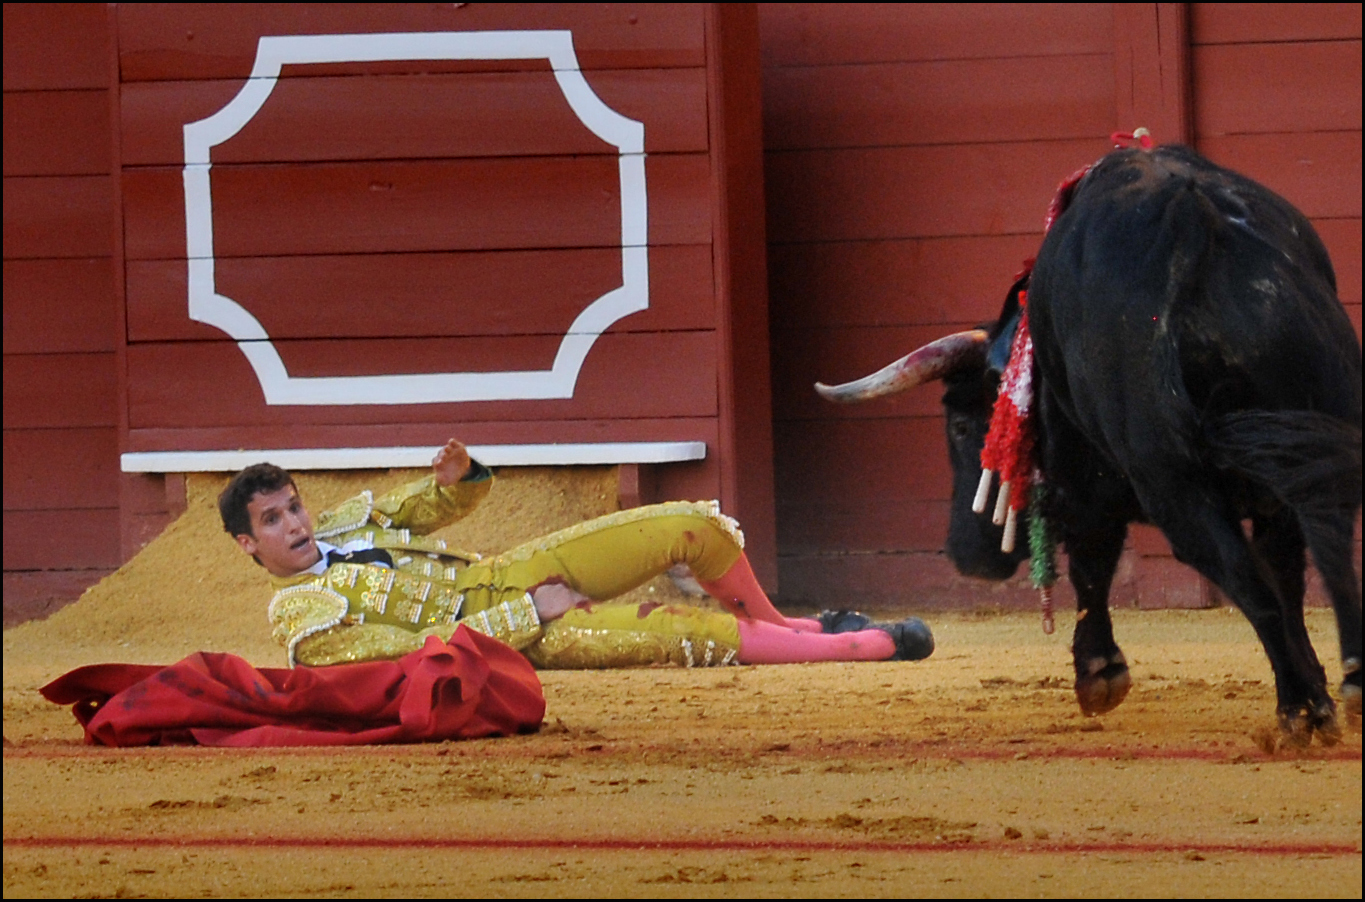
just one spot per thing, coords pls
(970, 774)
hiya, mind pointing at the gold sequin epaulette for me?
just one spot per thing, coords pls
(298, 612)
(350, 514)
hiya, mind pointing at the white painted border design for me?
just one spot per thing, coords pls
(206, 305)
(383, 458)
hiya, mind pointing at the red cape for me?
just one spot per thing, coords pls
(470, 687)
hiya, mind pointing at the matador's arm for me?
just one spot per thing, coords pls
(453, 489)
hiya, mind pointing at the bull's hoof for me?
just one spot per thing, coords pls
(1104, 685)
(1295, 730)
(1298, 726)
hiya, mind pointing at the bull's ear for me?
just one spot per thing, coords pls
(998, 351)
(1002, 334)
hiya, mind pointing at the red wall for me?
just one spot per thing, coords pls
(61, 516)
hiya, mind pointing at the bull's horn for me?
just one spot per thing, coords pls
(933, 361)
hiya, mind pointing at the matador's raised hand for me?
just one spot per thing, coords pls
(451, 463)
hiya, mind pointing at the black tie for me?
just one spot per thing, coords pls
(363, 556)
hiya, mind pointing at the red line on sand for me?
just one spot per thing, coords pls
(677, 845)
(509, 748)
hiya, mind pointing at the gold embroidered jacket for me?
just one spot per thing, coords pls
(360, 612)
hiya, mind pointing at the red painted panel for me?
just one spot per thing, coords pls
(851, 465)
(938, 102)
(887, 525)
(895, 282)
(59, 306)
(1319, 172)
(424, 295)
(837, 195)
(143, 493)
(178, 40)
(805, 34)
(486, 432)
(61, 468)
(1300, 87)
(1230, 23)
(841, 354)
(406, 206)
(698, 480)
(414, 116)
(87, 539)
(211, 384)
(57, 133)
(45, 391)
(907, 581)
(56, 46)
(1152, 70)
(1164, 582)
(1148, 541)
(60, 216)
(745, 403)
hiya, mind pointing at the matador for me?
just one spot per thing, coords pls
(371, 583)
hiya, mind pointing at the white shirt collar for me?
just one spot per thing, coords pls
(324, 547)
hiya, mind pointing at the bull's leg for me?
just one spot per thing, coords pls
(1278, 544)
(1102, 679)
(1206, 538)
(1330, 536)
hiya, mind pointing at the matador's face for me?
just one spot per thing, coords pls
(282, 532)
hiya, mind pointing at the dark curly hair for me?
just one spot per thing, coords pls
(255, 479)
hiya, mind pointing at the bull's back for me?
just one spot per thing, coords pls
(1172, 290)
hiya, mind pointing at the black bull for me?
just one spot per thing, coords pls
(1193, 369)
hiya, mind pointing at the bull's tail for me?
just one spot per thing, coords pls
(1310, 461)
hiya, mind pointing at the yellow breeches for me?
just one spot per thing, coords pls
(611, 555)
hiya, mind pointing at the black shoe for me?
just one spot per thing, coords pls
(843, 621)
(914, 641)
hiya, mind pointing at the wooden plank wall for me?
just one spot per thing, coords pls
(911, 152)
(417, 217)
(61, 479)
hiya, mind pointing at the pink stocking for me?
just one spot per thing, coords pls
(765, 643)
(738, 592)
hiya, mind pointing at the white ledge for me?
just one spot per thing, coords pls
(384, 458)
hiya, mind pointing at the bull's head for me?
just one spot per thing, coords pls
(970, 364)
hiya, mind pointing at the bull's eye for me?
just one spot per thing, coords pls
(959, 430)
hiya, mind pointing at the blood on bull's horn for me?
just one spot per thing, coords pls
(933, 361)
